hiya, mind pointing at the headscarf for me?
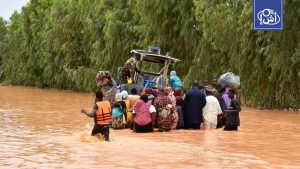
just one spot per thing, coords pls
(141, 108)
(160, 93)
(167, 97)
(119, 97)
(143, 92)
(177, 92)
(124, 94)
(169, 92)
(154, 92)
(173, 73)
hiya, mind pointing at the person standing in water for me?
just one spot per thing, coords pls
(211, 111)
(193, 104)
(233, 119)
(102, 116)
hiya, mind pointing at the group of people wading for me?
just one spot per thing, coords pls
(165, 109)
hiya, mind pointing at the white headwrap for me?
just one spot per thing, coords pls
(124, 94)
(119, 97)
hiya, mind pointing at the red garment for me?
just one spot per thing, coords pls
(155, 92)
(161, 102)
(143, 92)
(142, 112)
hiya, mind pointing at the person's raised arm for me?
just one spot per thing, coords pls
(90, 114)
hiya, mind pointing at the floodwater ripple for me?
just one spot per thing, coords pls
(42, 128)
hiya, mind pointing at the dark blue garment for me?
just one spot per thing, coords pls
(180, 123)
(193, 104)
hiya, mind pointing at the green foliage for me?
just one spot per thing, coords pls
(62, 43)
(170, 25)
(3, 32)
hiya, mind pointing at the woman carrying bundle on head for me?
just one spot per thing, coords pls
(233, 118)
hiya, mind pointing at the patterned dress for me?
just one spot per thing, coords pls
(169, 122)
(107, 85)
(109, 94)
(117, 123)
(118, 115)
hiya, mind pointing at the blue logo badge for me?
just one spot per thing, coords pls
(268, 15)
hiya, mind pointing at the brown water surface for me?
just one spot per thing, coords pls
(44, 129)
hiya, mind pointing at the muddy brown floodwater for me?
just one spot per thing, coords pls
(44, 129)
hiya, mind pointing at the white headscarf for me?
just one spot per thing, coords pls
(173, 73)
(118, 96)
(124, 94)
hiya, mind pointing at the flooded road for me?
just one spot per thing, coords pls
(41, 128)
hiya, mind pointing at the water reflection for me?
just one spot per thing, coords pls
(44, 129)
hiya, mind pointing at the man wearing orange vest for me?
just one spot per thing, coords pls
(102, 116)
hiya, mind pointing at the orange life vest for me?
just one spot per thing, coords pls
(103, 114)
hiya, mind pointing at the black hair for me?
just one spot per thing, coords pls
(117, 104)
(196, 83)
(201, 86)
(208, 92)
(232, 91)
(133, 91)
(144, 98)
(99, 95)
(221, 89)
(205, 82)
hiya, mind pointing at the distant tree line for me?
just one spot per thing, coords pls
(62, 43)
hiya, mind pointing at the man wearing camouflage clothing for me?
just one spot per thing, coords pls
(127, 69)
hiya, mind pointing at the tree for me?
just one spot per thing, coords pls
(62, 43)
